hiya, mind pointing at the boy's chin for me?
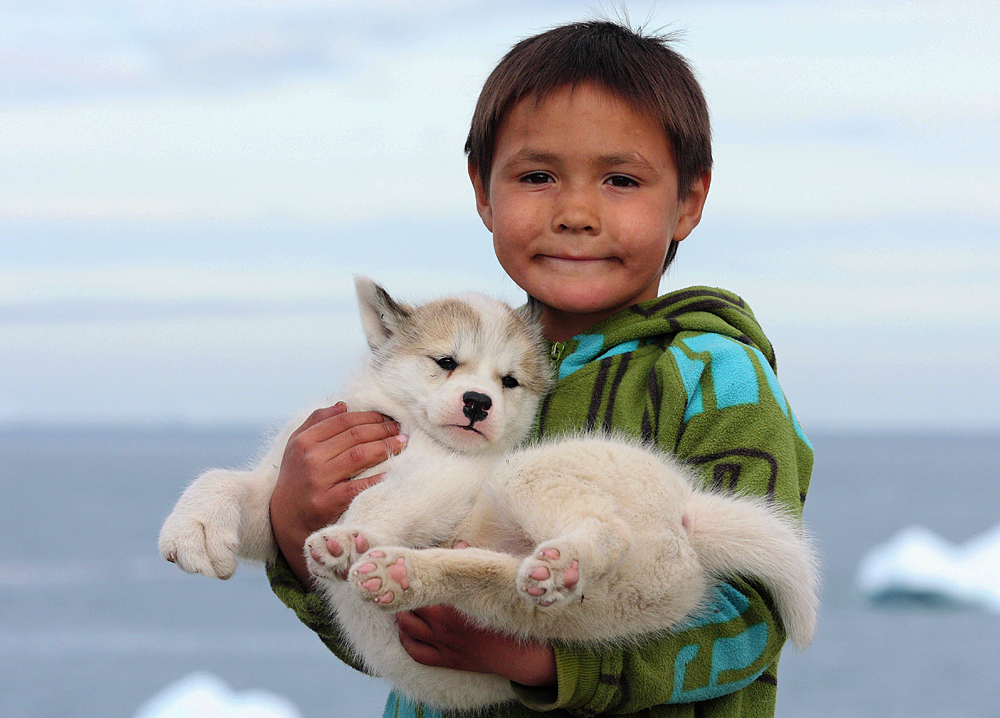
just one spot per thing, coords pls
(587, 304)
(605, 295)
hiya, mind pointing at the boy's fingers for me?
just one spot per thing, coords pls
(423, 653)
(434, 636)
(355, 486)
(371, 453)
(413, 627)
(311, 448)
(345, 421)
(319, 415)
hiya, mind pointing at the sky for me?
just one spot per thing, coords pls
(187, 188)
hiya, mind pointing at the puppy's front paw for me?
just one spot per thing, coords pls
(200, 543)
(330, 552)
(549, 576)
(383, 576)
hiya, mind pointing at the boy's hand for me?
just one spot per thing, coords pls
(441, 636)
(314, 484)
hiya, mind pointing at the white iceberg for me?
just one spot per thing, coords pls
(202, 695)
(920, 564)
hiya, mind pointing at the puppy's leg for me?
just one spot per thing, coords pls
(219, 518)
(478, 581)
(559, 569)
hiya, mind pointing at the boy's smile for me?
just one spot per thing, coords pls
(583, 203)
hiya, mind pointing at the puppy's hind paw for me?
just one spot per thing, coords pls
(330, 552)
(382, 576)
(549, 576)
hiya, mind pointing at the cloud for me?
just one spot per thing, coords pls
(187, 187)
(329, 113)
(312, 150)
(79, 50)
(907, 271)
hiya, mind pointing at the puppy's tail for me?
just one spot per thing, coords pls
(744, 536)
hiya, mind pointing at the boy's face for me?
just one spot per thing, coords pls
(583, 203)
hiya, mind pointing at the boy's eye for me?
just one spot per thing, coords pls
(621, 181)
(509, 382)
(537, 178)
(446, 363)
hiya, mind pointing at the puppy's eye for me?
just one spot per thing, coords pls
(447, 363)
(509, 382)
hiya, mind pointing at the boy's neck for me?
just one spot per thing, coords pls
(558, 326)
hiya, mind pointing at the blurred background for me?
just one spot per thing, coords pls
(186, 189)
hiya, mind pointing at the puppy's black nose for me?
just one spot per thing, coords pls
(476, 405)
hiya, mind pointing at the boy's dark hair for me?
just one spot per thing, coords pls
(640, 69)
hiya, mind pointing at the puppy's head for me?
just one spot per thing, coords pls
(470, 371)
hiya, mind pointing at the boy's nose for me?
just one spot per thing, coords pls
(576, 211)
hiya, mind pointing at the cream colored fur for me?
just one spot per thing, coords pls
(588, 539)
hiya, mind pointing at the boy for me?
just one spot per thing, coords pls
(590, 158)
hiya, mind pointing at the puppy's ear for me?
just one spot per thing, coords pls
(381, 315)
(531, 312)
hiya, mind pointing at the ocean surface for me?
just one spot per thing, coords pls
(93, 623)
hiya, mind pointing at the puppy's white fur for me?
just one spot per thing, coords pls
(588, 539)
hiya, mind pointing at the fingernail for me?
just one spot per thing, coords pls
(340, 404)
(403, 438)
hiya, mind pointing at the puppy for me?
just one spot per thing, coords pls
(587, 539)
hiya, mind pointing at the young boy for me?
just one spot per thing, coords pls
(590, 157)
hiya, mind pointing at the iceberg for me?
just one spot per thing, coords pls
(202, 695)
(919, 564)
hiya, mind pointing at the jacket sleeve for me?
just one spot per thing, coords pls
(732, 425)
(311, 609)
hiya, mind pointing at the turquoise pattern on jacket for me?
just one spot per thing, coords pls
(398, 706)
(588, 349)
(779, 395)
(690, 371)
(733, 375)
(723, 605)
(737, 653)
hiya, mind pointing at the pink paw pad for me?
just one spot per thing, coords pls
(333, 546)
(550, 577)
(397, 572)
(379, 580)
(571, 576)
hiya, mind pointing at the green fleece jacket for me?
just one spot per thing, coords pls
(693, 373)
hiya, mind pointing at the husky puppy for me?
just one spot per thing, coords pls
(463, 377)
(588, 539)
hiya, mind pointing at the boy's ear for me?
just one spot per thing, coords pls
(692, 206)
(483, 205)
(381, 315)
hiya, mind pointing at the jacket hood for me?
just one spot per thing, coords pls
(695, 309)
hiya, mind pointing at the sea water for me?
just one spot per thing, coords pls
(93, 622)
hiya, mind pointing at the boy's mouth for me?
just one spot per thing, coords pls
(572, 258)
(572, 262)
